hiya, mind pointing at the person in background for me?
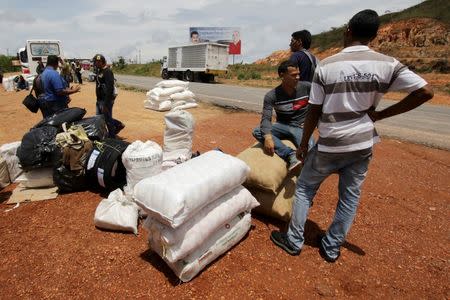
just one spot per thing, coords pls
(78, 72)
(21, 83)
(290, 102)
(56, 91)
(66, 72)
(345, 92)
(40, 67)
(306, 62)
(104, 90)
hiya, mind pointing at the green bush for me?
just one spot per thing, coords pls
(6, 64)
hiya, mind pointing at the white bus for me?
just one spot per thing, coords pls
(38, 50)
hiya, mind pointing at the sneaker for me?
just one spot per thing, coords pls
(323, 253)
(294, 164)
(280, 239)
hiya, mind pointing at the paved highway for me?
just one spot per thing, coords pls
(428, 124)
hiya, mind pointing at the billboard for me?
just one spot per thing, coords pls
(223, 35)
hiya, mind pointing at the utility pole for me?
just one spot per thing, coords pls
(7, 51)
(140, 56)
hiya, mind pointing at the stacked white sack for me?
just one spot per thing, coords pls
(177, 194)
(178, 136)
(197, 211)
(141, 160)
(191, 235)
(228, 235)
(169, 94)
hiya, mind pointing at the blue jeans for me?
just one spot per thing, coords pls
(352, 169)
(283, 132)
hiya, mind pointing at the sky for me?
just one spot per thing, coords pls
(146, 27)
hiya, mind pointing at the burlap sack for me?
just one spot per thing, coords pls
(277, 206)
(266, 172)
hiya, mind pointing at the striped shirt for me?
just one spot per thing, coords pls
(348, 84)
(290, 110)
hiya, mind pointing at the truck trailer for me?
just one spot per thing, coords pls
(196, 61)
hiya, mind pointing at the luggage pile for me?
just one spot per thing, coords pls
(270, 182)
(196, 210)
(170, 95)
(56, 152)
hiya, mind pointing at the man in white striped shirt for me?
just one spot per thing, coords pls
(346, 89)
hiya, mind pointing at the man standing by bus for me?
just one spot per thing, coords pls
(56, 90)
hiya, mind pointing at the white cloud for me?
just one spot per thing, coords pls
(118, 27)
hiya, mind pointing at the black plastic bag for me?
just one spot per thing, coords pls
(38, 148)
(31, 102)
(68, 115)
(68, 181)
(95, 127)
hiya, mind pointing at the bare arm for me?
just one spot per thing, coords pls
(68, 91)
(413, 100)
(312, 118)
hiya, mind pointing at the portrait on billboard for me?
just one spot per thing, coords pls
(223, 35)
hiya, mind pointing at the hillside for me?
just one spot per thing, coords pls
(417, 36)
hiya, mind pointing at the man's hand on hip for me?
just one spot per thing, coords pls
(269, 146)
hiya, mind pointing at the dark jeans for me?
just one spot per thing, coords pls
(105, 108)
(49, 108)
(80, 80)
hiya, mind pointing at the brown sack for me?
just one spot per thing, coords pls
(266, 172)
(277, 206)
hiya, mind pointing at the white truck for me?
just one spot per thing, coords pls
(202, 61)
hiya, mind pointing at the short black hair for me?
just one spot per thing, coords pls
(283, 67)
(194, 32)
(304, 36)
(52, 60)
(364, 25)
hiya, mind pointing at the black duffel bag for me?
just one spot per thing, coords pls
(95, 127)
(38, 148)
(105, 165)
(68, 115)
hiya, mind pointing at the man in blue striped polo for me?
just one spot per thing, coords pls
(346, 89)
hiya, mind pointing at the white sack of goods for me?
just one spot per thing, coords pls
(178, 243)
(157, 91)
(228, 235)
(37, 178)
(8, 152)
(177, 194)
(185, 106)
(117, 213)
(186, 95)
(172, 83)
(178, 136)
(159, 106)
(141, 160)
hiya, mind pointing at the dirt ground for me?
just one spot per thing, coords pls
(397, 248)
